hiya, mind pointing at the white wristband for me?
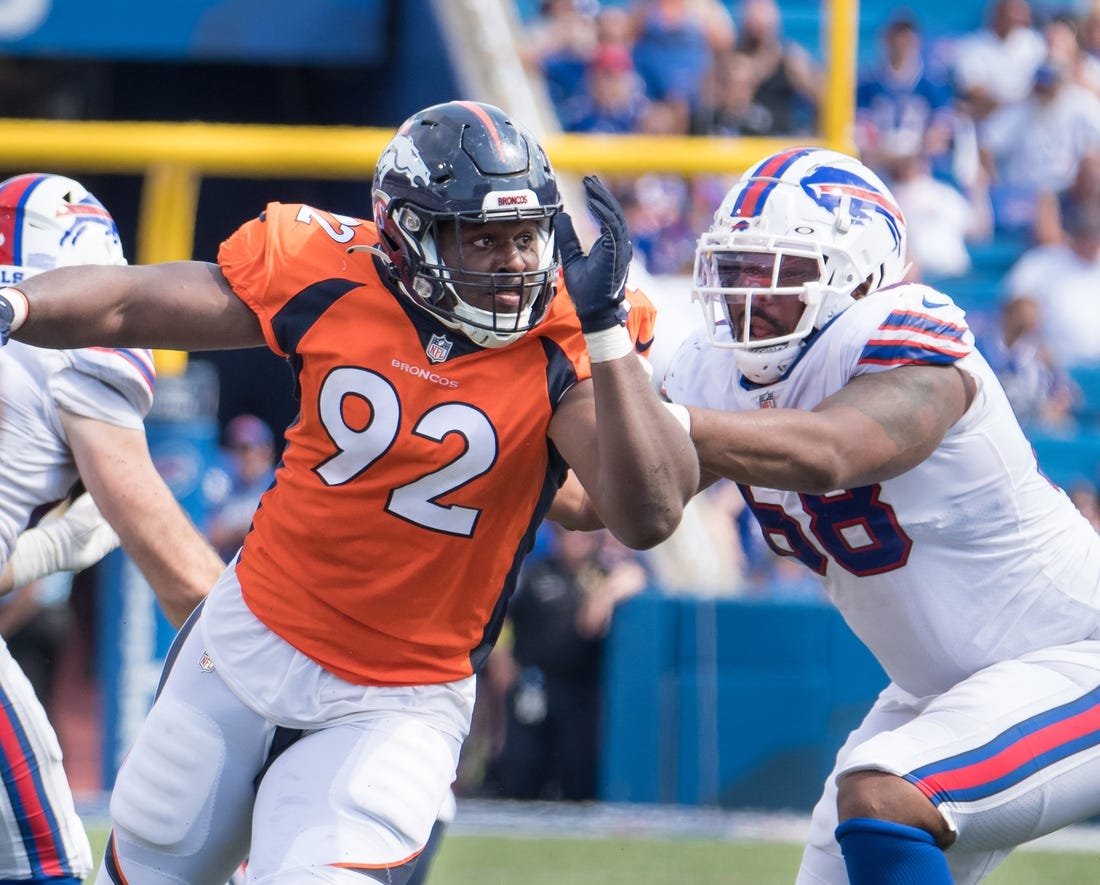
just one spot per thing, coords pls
(18, 302)
(609, 344)
(681, 414)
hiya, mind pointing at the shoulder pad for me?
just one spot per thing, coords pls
(130, 371)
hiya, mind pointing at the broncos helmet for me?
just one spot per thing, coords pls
(49, 221)
(455, 163)
(805, 223)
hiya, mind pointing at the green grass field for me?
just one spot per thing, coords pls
(505, 860)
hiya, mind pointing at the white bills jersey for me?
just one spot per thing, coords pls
(41, 835)
(971, 557)
(36, 467)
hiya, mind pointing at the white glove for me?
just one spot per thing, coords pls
(70, 542)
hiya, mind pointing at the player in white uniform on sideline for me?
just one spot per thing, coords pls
(70, 418)
(874, 444)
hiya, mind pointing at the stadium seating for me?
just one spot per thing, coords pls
(1087, 410)
(1068, 459)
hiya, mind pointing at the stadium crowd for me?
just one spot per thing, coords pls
(988, 134)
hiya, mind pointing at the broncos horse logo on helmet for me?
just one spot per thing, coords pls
(402, 158)
(821, 227)
(456, 163)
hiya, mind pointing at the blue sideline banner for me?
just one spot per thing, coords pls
(320, 32)
(133, 634)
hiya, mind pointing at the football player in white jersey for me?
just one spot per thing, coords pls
(873, 443)
(72, 418)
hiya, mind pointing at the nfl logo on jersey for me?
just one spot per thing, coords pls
(439, 348)
(766, 400)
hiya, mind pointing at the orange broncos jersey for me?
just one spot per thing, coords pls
(641, 320)
(417, 471)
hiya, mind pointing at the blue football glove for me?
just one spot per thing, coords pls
(7, 316)
(596, 281)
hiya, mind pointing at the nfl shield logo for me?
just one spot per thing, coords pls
(766, 400)
(439, 348)
(206, 663)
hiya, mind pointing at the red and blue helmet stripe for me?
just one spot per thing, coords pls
(829, 186)
(16, 193)
(763, 179)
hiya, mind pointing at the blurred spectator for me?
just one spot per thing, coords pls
(559, 44)
(1062, 35)
(995, 65)
(655, 207)
(940, 218)
(1037, 144)
(35, 621)
(1041, 392)
(725, 104)
(615, 26)
(674, 43)
(613, 100)
(1089, 29)
(559, 617)
(250, 459)
(788, 80)
(902, 110)
(1053, 291)
(1051, 205)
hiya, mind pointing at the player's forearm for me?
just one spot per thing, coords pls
(181, 305)
(647, 467)
(75, 307)
(178, 563)
(792, 449)
(176, 560)
(779, 449)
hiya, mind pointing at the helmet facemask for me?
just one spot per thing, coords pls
(748, 291)
(483, 304)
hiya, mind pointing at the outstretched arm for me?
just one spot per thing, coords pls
(633, 459)
(875, 428)
(180, 305)
(175, 559)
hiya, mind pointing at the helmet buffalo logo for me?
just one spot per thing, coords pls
(401, 156)
(87, 210)
(829, 186)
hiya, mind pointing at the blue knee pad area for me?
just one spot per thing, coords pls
(880, 852)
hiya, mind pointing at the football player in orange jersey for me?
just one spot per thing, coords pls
(314, 710)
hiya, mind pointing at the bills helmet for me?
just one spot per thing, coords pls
(49, 221)
(808, 224)
(455, 163)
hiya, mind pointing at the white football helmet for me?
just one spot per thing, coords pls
(49, 221)
(808, 224)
